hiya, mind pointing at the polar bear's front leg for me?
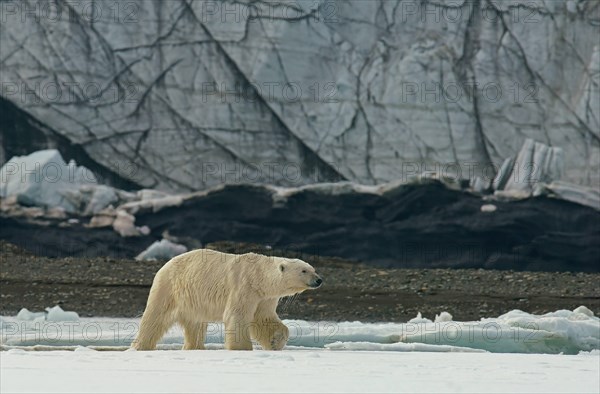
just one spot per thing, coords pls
(267, 328)
(270, 333)
(238, 321)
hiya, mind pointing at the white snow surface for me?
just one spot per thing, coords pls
(294, 370)
(440, 356)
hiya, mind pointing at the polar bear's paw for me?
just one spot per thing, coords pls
(279, 338)
(278, 341)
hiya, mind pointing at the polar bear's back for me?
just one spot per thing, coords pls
(203, 280)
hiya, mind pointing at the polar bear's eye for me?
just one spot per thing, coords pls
(303, 271)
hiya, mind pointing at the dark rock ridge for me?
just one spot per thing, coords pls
(421, 224)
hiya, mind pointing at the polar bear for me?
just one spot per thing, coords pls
(242, 291)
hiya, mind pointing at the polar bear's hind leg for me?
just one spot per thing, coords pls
(158, 317)
(194, 334)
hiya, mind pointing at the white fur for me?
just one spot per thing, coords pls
(204, 285)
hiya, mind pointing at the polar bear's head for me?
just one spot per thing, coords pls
(297, 276)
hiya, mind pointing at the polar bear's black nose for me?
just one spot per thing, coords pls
(319, 281)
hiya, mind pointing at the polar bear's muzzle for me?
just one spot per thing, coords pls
(316, 282)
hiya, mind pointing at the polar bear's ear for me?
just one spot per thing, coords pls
(281, 267)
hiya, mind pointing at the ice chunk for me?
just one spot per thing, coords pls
(419, 319)
(43, 179)
(57, 314)
(595, 352)
(162, 250)
(124, 224)
(584, 310)
(101, 197)
(443, 317)
(26, 315)
(83, 349)
(488, 208)
(562, 331)
(400, 347)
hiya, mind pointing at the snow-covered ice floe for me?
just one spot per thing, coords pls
(563, 331)
(321, 357)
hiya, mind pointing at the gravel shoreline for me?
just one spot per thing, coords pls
(118, 287)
